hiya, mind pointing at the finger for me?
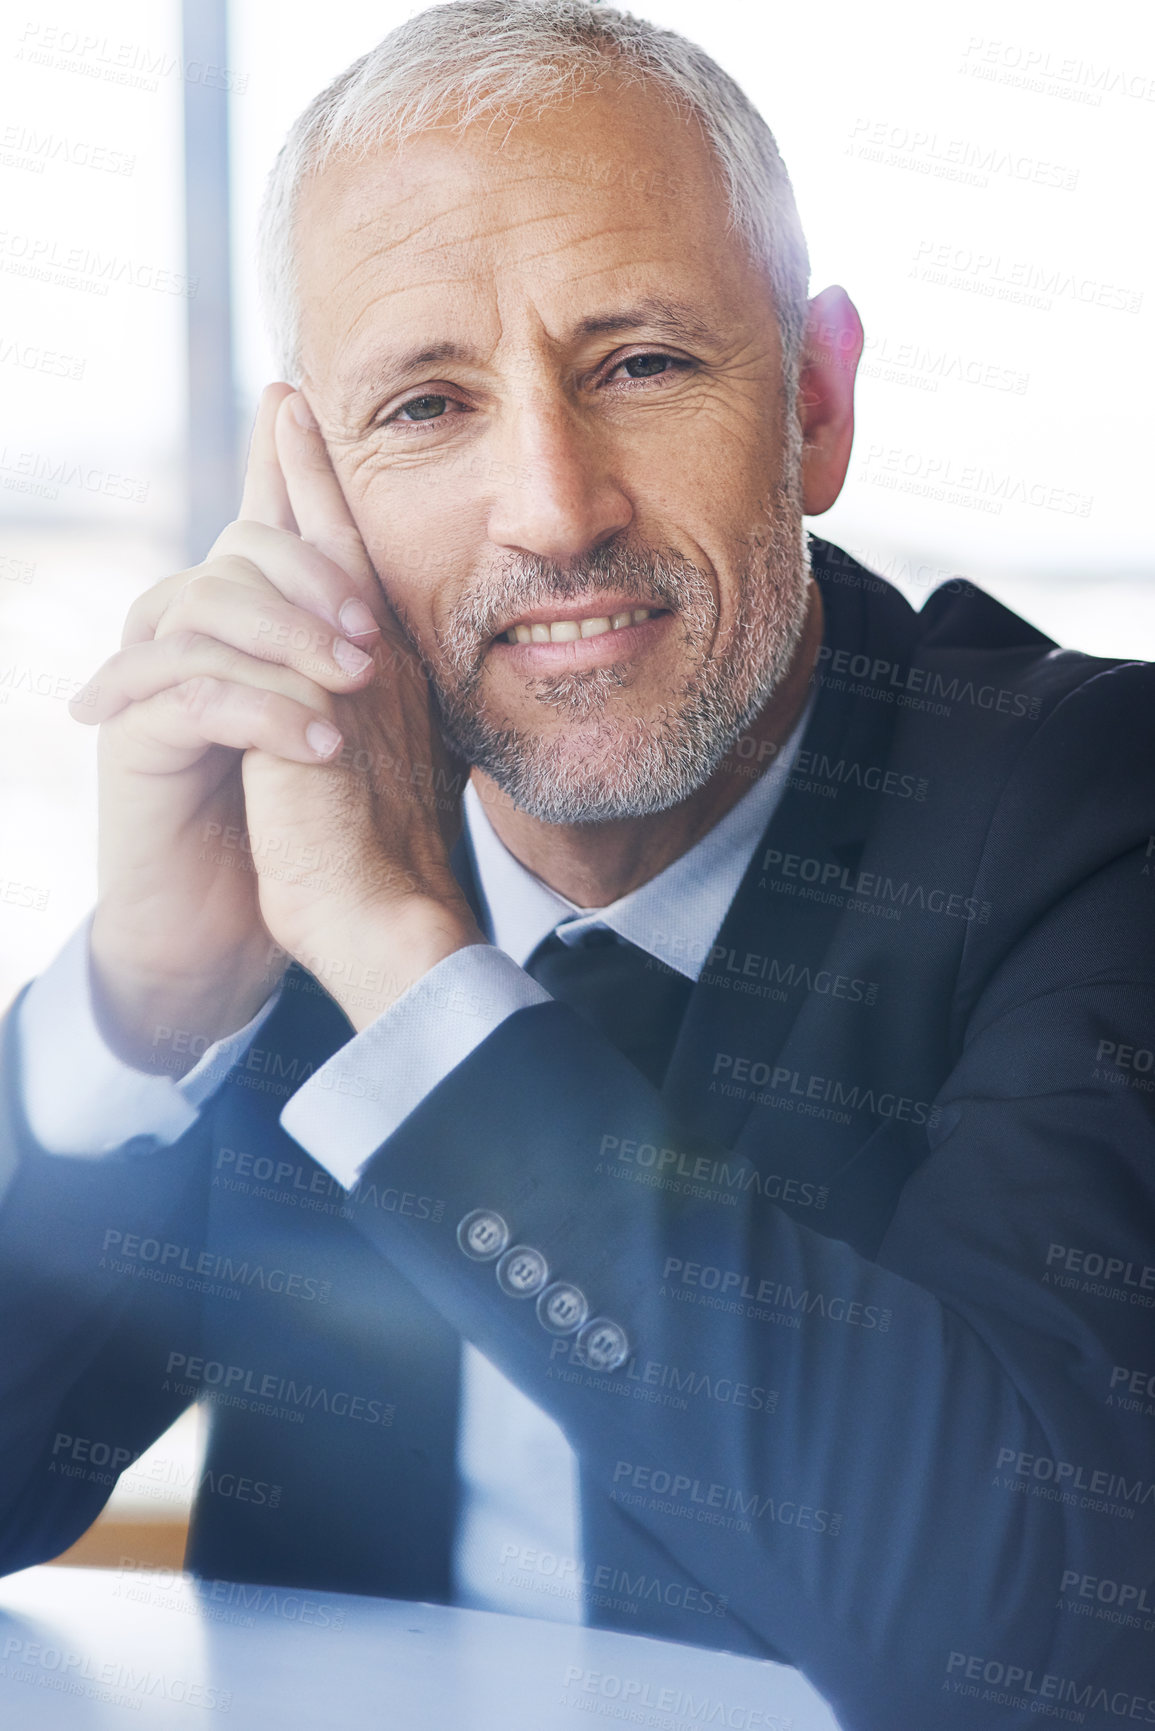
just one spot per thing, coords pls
(265, 498)
(143, 671)
(303, 574)
(148, 609)
(204, 711)
(257, 557)
(319, 506)
(256, 618)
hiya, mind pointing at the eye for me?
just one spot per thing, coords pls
(653, 365)
(645, 366)
(422, 409)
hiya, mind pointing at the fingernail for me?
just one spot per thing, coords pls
(302, 413)
(323, 738)
(356, 620)
(352, 659)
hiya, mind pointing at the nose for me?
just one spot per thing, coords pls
(560, 497)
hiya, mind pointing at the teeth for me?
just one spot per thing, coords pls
(569, 630)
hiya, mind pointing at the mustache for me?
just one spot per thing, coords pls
(522, 581)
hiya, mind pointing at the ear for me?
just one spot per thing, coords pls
(830, 353)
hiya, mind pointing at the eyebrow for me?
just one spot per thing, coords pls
(376, 374)
(672, 319)
(669, 318)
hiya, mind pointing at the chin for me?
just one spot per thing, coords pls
(597, 772)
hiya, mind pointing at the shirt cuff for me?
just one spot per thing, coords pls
(106, 1102)
(365, 1091)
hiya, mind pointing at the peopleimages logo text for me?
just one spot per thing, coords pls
(926, 681)
(1021, 1683)
(869, 891)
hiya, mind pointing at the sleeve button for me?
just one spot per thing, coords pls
(482, 1235)
(562, 1308)
(522, 1271)
(603, 1344)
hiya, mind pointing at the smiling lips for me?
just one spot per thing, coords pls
(571, 630)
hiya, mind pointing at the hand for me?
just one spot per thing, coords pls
(352, 855)
(245, 650)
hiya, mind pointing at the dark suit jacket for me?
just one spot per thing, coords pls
(882, 1244)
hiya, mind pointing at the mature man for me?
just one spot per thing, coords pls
(713, 1195)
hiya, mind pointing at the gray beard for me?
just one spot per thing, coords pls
(599, 767)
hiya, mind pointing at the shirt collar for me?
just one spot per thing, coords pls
(675, 916)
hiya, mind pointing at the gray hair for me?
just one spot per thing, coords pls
(476, 58)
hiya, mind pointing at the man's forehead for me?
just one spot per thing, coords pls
(440, 200)
(604, 139)
(593, 199)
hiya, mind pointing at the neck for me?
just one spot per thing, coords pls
(593, 864)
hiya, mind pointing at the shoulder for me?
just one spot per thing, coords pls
(965, 675)
(1038, 761)
(1079, 732)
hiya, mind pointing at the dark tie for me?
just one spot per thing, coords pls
(631, 998)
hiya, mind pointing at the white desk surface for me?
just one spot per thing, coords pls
(93, 1650)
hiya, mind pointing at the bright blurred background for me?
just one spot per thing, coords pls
(975, 175)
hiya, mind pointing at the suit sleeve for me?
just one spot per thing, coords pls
(80, 1397)
(954, 1461)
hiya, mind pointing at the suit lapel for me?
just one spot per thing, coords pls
(765, 919)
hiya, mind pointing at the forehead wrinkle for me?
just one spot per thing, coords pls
(393, 207)
(468, 208)
(621, 299)
(472, 205)
(372, 371)
(361, 276)
(568, 247)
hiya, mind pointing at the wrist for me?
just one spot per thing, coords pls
(162, 1022)
(374, 955)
